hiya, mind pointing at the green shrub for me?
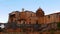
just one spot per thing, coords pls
(58, 25)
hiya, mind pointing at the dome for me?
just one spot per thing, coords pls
(39, 12)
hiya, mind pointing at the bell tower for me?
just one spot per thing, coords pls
(39, 12)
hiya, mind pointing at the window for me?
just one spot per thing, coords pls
(29, 22)
(48, 16)
(36, 22)
(59, 15)
(23, 22)
(31, 14)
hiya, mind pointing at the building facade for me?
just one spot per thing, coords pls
(28, 21)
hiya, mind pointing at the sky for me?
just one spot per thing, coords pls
(7, 6)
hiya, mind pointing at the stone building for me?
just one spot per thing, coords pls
(28, 21)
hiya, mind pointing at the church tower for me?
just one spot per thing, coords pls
(39, 12)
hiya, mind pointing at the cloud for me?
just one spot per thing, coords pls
(51, 12)
(56, 11)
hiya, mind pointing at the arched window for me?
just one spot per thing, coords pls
(36, 22)
(12, 17)
(22, 21)
(29, 22)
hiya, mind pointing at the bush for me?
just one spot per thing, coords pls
(58, 25)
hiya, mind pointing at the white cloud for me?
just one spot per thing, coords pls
(51, 12)
(56, 11)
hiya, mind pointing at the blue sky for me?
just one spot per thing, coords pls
(7, 6)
